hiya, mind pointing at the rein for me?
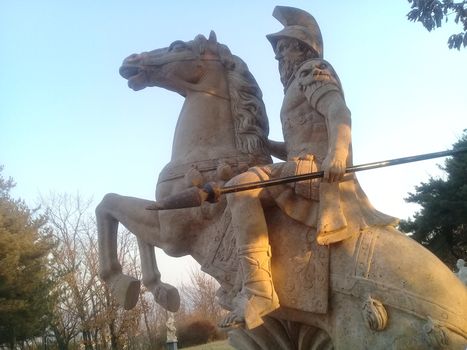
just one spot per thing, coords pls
(172, 172)
(211, 93)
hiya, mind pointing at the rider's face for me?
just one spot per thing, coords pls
(288, 48)
(289, 54)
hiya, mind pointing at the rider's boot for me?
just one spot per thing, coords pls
(257, 297)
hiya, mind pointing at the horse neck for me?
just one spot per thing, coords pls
(205, 128)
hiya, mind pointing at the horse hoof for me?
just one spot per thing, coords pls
(125, 290)
(167, 296)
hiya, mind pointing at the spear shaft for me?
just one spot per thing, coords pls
(351, 169)
(194, 196)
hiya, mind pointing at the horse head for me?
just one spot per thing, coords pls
(206, 73)
(181, 67)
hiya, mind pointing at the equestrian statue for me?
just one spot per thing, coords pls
(308, 264)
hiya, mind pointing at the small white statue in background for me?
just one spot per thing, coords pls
(171, 330)
(462, 271)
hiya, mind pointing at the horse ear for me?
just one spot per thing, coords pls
(213, 37)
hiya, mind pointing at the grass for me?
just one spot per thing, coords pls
(217, 345)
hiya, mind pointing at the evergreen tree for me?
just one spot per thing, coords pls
(23, 270)
(441, 224)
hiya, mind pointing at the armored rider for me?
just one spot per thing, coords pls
(316, 129)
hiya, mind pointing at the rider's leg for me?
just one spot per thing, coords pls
(257, 297)
(165, 295)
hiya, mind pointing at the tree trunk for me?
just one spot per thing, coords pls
(13, 340)
(151, 337)
(87, 340)
(113, 336)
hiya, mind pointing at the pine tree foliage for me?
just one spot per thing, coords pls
(441, 224)
(23, 269)
(431, 13)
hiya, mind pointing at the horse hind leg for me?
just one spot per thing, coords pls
(132, 213)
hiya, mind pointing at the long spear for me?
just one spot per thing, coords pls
(195, 196)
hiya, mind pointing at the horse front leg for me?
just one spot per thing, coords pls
(165, 294)
(131, 213)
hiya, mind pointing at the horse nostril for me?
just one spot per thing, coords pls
(128, 71)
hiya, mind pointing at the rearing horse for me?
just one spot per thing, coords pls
(221, 131)
(384, 289)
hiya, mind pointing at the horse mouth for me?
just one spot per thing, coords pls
(129, 71)
(136, 77)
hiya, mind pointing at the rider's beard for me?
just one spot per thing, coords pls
(287, 67)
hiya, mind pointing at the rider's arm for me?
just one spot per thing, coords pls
(321, 87)
(338, 122)
(277, 149)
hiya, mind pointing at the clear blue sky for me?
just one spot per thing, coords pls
(69, 123)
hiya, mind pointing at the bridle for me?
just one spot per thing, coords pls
(193, 86)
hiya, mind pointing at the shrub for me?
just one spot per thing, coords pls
(197, 332)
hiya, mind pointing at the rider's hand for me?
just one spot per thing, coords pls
(334, 167)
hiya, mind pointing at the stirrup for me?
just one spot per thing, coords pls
(252, 317)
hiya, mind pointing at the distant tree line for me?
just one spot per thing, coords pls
(51, 296)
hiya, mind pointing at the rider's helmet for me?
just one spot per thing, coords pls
(299, 25)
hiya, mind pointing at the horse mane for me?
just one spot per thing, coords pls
(248, 109)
